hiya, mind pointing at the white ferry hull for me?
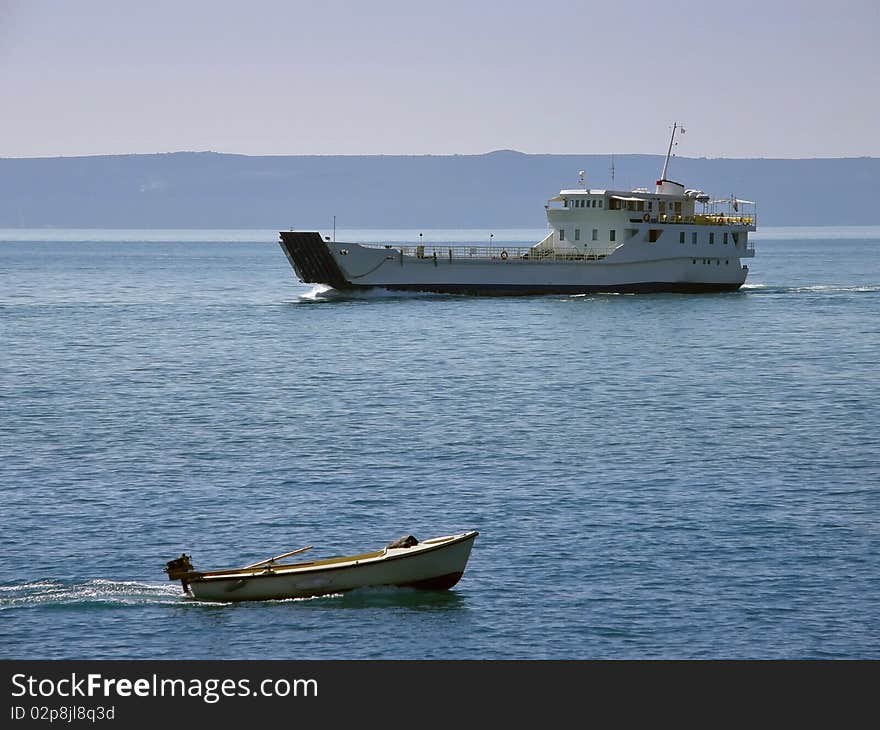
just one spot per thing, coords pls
(632, 267)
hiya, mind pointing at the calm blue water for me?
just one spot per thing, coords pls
(653, 476)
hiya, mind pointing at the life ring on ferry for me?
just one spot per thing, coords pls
(646, 218)
(504, 255)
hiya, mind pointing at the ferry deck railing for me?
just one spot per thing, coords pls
(701, 219)
(711, 218)
(497, 253)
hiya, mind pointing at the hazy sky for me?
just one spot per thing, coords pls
(748, 79)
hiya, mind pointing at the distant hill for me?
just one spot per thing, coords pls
(503, 189)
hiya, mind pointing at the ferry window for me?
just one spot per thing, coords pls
(681, 237)
(600, 203)
(595, 234)
(561, 234)
(650, 205)
(612, 236)
(725, 239)
(577, 234)
(736, 239)
(711, 238)
(694, 238)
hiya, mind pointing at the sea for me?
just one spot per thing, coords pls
(662, 476)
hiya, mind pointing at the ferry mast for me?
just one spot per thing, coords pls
(675, 126)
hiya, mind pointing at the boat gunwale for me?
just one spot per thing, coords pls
(328, 564)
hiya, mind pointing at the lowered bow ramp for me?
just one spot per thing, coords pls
(312, 260)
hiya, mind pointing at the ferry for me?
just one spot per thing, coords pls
(669, 239)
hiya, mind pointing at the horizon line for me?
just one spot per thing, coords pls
(427, 155)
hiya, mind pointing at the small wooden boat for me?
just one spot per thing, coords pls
(435, 564)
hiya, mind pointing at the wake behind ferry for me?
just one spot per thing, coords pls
(671, 239)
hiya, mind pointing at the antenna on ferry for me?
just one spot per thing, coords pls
(581, 178)
(675, 126)
(612, 169)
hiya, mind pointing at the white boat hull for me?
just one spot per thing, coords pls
(435, 564)
(633, 267)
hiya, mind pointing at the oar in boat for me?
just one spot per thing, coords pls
(268, 561)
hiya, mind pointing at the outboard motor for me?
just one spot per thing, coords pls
(179, 567)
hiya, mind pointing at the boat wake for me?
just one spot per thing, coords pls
(89, 592)
(318, 293)
(324, 293)
(115, 594)
(810, 289)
